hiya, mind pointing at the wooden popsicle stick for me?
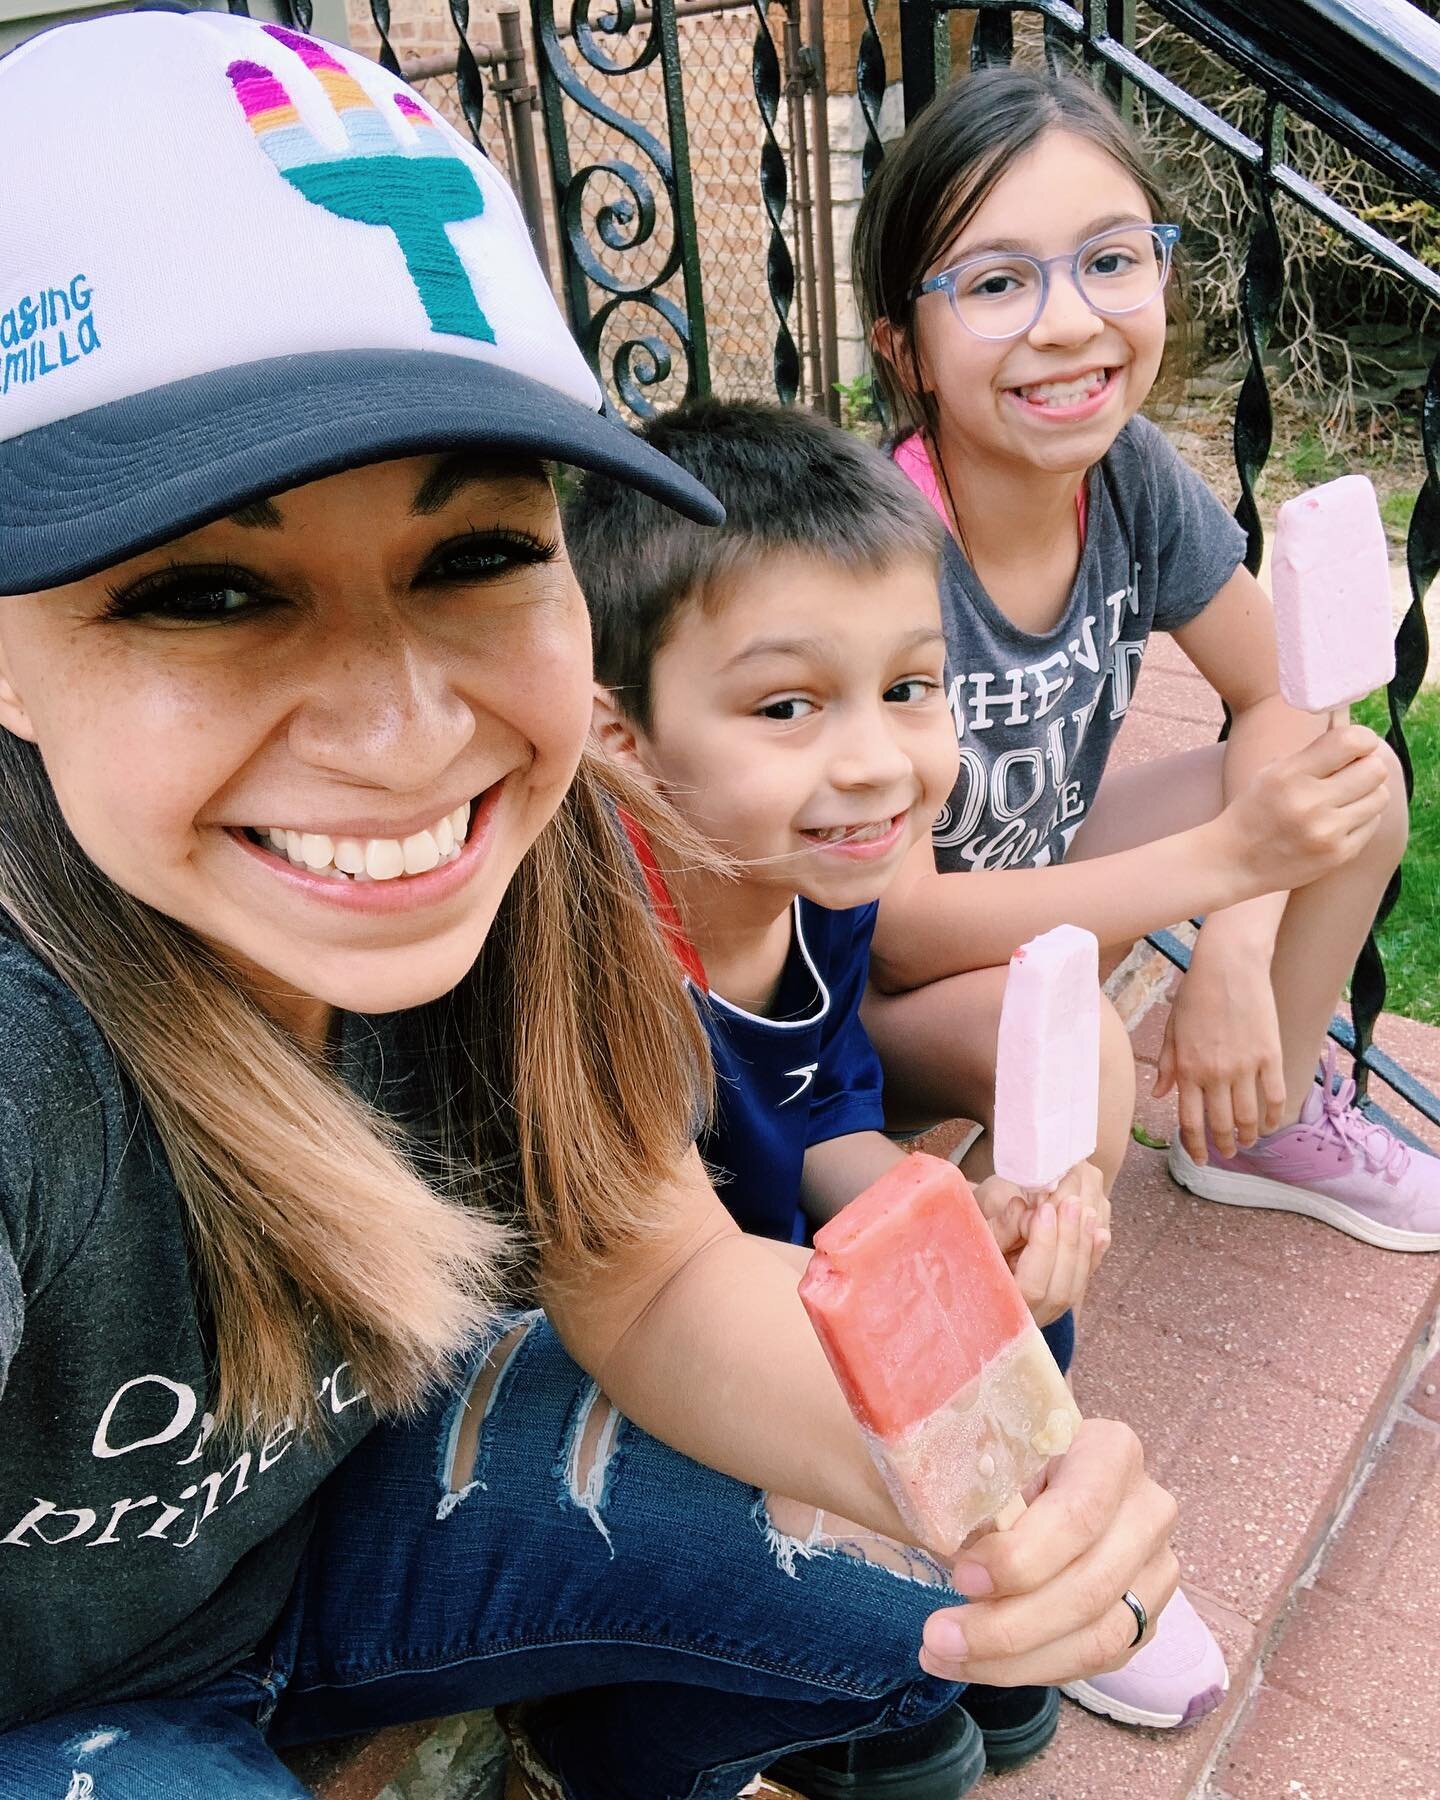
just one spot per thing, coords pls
(1010, 1513)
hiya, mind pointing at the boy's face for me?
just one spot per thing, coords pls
(801, 723)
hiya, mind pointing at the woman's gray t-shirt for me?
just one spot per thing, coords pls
(1036, 715)
(138, 1555)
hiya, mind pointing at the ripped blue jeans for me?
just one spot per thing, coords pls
(523, 1542)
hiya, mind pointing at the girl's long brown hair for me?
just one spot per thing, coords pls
(567, 1069)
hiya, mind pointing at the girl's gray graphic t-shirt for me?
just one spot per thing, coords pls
(139, 1554)
(1036, 715)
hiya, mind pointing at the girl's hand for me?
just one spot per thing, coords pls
(1221, 1053)
(1045, 1603)
(1054, 1246)
(1308, 813)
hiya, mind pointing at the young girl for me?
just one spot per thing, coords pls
(332, 1023)
(1012, 256)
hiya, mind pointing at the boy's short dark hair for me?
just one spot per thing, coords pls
(789, 481)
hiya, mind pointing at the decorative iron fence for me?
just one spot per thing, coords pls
(692, 254)
(1366, 72)
(626, 172)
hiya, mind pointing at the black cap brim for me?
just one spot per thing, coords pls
(86, 493)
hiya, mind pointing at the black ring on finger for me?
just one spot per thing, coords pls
(1142, 1618)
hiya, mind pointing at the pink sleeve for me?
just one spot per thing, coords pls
(911, 458)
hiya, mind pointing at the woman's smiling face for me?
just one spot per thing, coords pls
(387, 670)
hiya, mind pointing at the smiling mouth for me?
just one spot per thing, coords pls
(1065, 393)
(351, 859)
(852, 834)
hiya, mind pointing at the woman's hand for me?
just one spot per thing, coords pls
(1045, 1596)
(1054, 1246)
(1221, 1054)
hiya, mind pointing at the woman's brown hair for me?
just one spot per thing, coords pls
(934, 180)
(567, 1069)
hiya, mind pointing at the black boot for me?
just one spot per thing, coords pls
(939, 1760)
(1016, 1723)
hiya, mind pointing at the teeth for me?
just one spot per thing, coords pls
(421, 853)
(384, 859)
(851, 834)
(1064, 393)
(375, 859)
(316, 850)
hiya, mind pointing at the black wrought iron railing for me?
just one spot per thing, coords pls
(1367, 73)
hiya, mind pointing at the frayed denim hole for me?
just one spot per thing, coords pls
(461, 1468)
(796, 1532)
(589, 1456)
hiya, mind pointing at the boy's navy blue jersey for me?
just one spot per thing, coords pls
(800, 1077)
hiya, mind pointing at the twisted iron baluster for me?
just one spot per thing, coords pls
(469, 84)
(774, 192)
(380, 13)
(1412, 653)
(1261, 289)
(626, 223)
(870, 92)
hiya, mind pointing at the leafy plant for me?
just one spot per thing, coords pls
(859, 410)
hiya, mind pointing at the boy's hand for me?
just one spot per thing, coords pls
(1308, 813)
(1053, 1248)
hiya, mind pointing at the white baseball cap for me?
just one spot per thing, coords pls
(234, 259)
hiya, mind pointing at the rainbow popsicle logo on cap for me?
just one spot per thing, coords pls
(414, 191)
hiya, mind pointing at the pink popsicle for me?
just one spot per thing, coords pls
(1047, 1071)
(956, 1390)
(1331, 584)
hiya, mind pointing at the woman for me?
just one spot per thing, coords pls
(334, 1026)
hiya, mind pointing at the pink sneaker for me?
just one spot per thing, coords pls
(1334, 1165)
(1175, 1679)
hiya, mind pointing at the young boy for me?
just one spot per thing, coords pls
(781, 679)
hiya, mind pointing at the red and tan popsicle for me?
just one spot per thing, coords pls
(954, 1387)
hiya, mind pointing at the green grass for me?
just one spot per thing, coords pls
(1395, 510)
(1310, 461)
(1410, 937)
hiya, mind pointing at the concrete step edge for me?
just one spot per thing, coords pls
(1330, 1520)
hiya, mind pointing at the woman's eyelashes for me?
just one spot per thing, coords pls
(194, 594)
(486, 555)
(217, 593)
